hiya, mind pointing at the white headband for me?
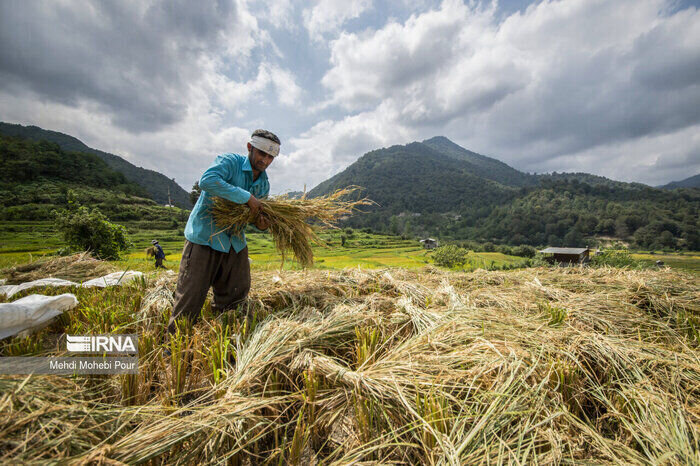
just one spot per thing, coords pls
(265, 145)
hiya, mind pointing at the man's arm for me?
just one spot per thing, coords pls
(212, 181)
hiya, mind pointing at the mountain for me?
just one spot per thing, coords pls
(437, 188)
(481, 165)
(692, 182)
(37, 178)
(416, 178)
(154, 183)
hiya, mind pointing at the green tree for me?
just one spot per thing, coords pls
(450, 256)
(524, 251)
(394, 225)
(90, 230)
(407, 228)
(195, 193)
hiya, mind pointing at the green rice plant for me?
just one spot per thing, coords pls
(129, 389)
(206, 312)
(299, 440)
(365, 417)
(434, 409)
(148, 362)
(180, 359)
(243, 326)
(366, 345)
(217, 352)
(565, 378)
(557, 315)
(309, 395)
(163, 320)
(23, 346)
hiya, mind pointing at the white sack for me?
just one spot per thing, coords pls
(116, 278)
(32, 311)
(9, 290)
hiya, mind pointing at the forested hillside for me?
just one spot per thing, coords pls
(155, 184)
(37, 177)
(691, 182)
(438, 188)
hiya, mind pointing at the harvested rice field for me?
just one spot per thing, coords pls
(391, 366)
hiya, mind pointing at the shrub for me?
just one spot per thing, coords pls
(615, 258)
(524, 251)
(450, 256)
(90, 230)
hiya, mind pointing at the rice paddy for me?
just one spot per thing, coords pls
(392, 366)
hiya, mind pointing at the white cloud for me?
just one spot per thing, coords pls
(279, 13)
(606, 86)
(327, 16)
(562, 79)
(649, 159)
(147, 81)
(331, 145)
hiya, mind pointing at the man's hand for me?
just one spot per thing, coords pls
(254, 205)
(262, 222)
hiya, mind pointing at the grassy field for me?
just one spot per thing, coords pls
(25, 241)
(689, 261)
(29, 240)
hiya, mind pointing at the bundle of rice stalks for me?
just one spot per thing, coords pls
(289, 219)
(150, 251)
(76, 267)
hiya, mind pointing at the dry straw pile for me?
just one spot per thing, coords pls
(535, 366)
(289, 219)
(76, 267)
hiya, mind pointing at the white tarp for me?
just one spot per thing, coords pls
(9, 290)
(32, 311)
(116, 278)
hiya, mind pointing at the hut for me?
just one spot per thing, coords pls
(429, 243)
(566, 255)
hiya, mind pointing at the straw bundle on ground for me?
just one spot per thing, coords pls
(290, 219)
(76, 267)
(534, 366)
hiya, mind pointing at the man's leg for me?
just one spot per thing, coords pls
(197, 270)
(232, 283)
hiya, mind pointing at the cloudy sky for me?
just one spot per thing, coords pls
(610, 87)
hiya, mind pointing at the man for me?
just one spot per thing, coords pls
(160, 254)
(212, 257)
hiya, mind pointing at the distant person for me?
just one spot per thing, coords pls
(160, 254)
(219, 258)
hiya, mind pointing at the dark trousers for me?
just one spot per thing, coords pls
(202, 267)
(159, 262)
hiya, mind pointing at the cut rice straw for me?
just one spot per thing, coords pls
(290, 219)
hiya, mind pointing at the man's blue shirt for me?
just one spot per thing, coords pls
(229, 177)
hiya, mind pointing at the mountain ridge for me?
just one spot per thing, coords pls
(437, 188)
(155, 183)
(690, 182)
